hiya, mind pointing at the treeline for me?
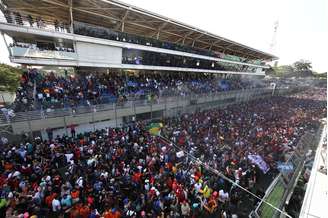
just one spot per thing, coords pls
(301, 68)
(9, 77)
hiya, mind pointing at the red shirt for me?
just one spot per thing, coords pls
(84, 212)
(137, 177)
(49, 199)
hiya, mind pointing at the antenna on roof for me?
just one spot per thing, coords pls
(274, 36)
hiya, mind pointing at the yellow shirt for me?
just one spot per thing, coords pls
(207, 192)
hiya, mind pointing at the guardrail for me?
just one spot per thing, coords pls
(43, 114)
(247, 94)
(37, 53)
(168, 102)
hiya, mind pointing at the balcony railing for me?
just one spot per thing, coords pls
(37, 53)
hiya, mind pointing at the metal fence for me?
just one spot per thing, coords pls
(281, 187)
(60, 112)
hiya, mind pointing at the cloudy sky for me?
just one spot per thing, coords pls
(302, 31)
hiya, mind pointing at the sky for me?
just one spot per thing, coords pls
(302, 32)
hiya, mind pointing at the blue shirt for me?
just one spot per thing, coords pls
(67, 201)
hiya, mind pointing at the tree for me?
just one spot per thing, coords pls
(283, 70)
(302, 66)
(9, 77)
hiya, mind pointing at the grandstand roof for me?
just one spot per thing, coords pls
(130, 19)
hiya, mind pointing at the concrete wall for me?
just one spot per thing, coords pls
(87, 127)
(95, 53)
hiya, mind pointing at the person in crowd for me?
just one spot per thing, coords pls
(56, 25)
(72, 131)
(185, 209)
(30, 20)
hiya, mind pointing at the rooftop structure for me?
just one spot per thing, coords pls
(103, 33)
(126, 18)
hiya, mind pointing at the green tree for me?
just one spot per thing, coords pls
(283, 70)
(9, 77)
(302, 65)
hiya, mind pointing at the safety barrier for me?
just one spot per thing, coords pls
(200, 98)
(122, 112)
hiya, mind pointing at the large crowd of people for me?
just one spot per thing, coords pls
(139, 57)
(50, 91)
(127, 172)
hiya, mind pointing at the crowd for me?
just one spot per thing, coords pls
(50, 91)
(138, 57)
(127, 172)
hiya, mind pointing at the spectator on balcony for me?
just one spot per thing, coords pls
(30, 20)
(18, 18)
(62, 26)
(56, 25)
(8, 16)
(39, 22)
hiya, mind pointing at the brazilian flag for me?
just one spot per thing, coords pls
(155, 128)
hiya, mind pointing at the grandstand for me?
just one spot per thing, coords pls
(134, 55)
(150, 118)
(68, 33)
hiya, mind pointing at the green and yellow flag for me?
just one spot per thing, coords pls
(155, 128)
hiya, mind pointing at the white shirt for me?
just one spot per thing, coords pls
(104, 174)
(223, 196)
(198, 186)
(55, 205)
(40, 96)
(69, 157)
(147, 186)
(79, 182)
(52, 146)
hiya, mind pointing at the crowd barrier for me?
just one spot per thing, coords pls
(120, 113)
(43, 114)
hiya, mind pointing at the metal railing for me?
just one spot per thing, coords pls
(43, 114)
(282, 185)
(316, 180)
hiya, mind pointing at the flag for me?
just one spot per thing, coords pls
(155, 128)
(257, 159)
(285, 167)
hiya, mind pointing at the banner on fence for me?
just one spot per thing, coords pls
(285, 167)
(257, 160)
